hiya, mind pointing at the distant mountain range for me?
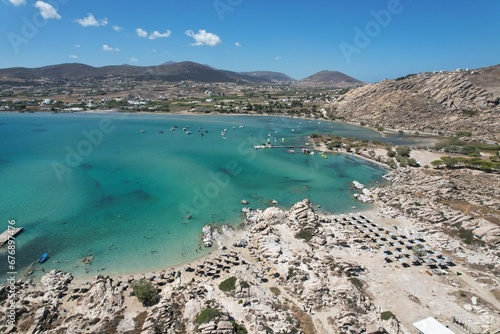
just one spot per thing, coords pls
(169, 71)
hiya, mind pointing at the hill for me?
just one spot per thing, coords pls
(444, 102)
(331, 79)
(172, 72)
(270, 76)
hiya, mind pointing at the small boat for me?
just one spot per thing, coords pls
(43, 258)
(188, 132)
(160, 132)
(142, 131)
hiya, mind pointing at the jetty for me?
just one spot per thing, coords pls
(9, 233)
(258, 147)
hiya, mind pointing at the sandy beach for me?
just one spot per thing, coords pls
(309, 280)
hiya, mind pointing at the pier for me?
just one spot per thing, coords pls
(258, 147)
(9, 233)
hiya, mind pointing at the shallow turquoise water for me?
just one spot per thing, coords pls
(85, 184)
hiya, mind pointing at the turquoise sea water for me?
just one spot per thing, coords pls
(84, 184)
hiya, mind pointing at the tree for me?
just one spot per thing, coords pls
(412, 162)
(403, 150)
(244, 285)
(228, 285)
(145, 292)
(437, 163)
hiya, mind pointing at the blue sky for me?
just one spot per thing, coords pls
(369, 40)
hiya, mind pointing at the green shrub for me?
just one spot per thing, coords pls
(387, 315)
(466, 235)
(405, 77)
(276, 291)
(356, 282)
(228, 284)
(207, 315)
(412, 162)
(291, 272)
(146, 293)
(463, 134)
(244, 284)
(303, 234)
(238, 329)
(403, 150)
(470, 112)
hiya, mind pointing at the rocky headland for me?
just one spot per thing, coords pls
(437, 103)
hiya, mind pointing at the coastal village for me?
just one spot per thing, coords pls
(424, 259)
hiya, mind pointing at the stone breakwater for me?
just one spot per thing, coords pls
(293, 271)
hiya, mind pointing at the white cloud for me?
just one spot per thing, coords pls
(73, 57)
(157, 34)
(278, 58)
(203, 37)
(106, 47)
(91, 21)
(46, 10)
(134, 60)
(18, 2)
(141, 33)
(77, 46)
(117, 28)
(237, 44)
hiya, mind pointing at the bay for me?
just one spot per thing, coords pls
(134, 190)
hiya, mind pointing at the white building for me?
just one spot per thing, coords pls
(431, 326)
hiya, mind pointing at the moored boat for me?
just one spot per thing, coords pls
(43, 258)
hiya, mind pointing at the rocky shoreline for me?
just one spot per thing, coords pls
(429, 246)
